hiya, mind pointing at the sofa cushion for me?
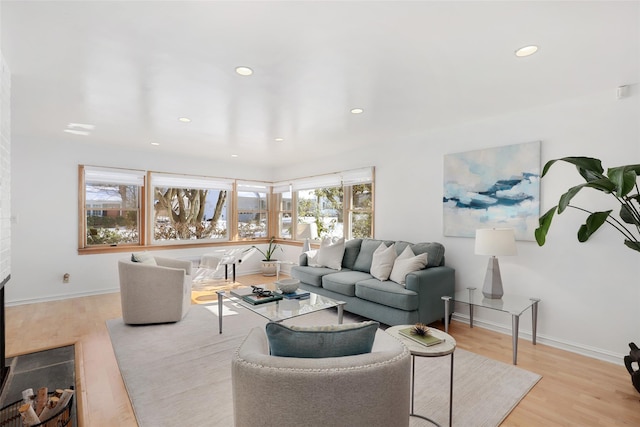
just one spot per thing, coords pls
(310, 275)
(351, 250)
(321, 341)
(330, 253)
(387, 293)
(344, 282)
(382, 261)
(406, 263)
(434, 250)
(365, 256)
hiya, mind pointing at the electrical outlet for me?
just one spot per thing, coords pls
(66, 277)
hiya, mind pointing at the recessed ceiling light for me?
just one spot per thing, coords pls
(278, 139)
(155, 143)
(80, 126)
(526, 51)
(234, 155)
(357, 111)
(244, 71)
(184, 119)
(77, 132)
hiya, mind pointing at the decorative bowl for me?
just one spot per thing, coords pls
(288, 286)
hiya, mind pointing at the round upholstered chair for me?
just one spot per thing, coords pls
(366, 390)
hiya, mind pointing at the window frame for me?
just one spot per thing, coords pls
(273, 213)
(82, 206)
(238, 188)
(347, 180)
(197, 183)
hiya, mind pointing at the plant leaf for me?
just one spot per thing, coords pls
(601, 184)
(543, 228)
(623, 178)
(633, 245)
(588, 167)
(626, 215)
(592, 224)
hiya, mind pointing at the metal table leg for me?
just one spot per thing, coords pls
(447, 307)
(451, 394)
(220, 297)
(534, 319)
(515, 322)
(340, 312)
(413, 383)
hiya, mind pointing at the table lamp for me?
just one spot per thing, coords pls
(494, 242)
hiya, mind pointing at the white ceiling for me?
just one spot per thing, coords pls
(132, 68)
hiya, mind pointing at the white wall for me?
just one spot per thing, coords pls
(45, 208)
(590, 292)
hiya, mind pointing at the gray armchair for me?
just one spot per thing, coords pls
(365, 390)
(154, 293)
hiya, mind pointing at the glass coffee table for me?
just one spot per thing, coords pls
(512, 304)
(277, 311)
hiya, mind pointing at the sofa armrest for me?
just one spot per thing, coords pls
(431, 284)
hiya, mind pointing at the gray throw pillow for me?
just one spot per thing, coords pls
(365, 257)
(321, 341)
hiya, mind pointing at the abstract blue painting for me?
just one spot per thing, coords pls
(494, 187)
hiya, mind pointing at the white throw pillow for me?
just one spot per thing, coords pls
(382, 261)
(312, 258)
(330, 254)
(406, 263)
(143, 257)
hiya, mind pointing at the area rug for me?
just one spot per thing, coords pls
(180, 373)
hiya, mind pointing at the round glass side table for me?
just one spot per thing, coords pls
(447, 347)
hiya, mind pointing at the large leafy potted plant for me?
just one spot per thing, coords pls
(620, 182)
(269, 265)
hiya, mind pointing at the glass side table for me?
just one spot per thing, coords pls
(512, 304)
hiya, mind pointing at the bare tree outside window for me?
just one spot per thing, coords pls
(186, 214)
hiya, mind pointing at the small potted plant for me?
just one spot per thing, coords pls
(269, 264)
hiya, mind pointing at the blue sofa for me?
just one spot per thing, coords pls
(418, 300)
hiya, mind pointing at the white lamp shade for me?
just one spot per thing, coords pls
(496, 241)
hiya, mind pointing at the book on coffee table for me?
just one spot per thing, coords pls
(426, 340)
(241, 292)
(256, 299)
(298, 294)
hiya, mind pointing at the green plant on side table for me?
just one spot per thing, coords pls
(269, 264)
(619, 182)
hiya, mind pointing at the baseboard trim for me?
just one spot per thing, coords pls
(588, 351)
(102, 292)
(60, 297)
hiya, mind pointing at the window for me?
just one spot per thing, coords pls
(284, 202)
(189, 208)
(252, 210)
(124, 207)
(320, 212)
(111, 206)
(361, 210)
(333, 205)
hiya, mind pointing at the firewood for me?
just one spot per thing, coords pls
(28, 415)
(42, 396)
(51, 409)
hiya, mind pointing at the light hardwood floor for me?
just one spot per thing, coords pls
(574, 390)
